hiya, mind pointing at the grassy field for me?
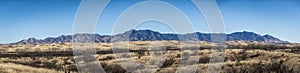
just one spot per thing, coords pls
(240, 57)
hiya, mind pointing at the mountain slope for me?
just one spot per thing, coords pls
(149, 35)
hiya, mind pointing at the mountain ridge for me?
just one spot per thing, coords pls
(150, 35)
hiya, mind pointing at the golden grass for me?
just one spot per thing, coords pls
(15, 68)
(236, 60)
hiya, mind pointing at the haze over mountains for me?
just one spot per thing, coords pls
(149, 35)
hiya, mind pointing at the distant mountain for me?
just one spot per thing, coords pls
(250, 36)
(149, 35)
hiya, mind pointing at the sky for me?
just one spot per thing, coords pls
(22, 19)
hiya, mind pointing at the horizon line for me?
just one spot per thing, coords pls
(140, 30)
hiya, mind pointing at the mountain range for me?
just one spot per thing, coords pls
(149, 35)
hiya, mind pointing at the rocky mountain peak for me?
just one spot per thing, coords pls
(149, 35)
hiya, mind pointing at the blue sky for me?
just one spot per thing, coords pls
(21, 19)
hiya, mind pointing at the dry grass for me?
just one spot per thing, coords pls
(236, 60)
(15, 68)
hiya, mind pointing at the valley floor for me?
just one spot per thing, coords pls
(40, 59)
